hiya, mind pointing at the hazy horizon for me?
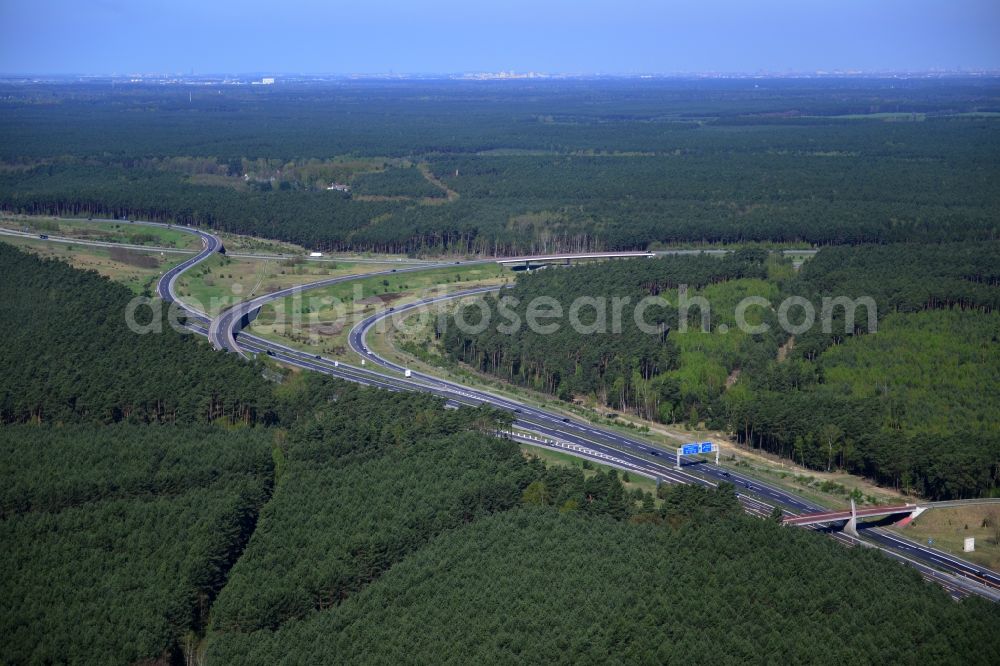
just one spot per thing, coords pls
(985, 72)
(632, 37)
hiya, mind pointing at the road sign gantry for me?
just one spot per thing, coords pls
(695, 448)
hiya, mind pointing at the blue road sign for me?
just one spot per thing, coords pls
(706, 447)
(689, 449)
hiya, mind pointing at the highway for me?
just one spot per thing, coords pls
(355, 259)
(637, 454)
(66, 240)
(611, 447)
(93, 243)
(223, 330)
(165, 286)
(550, 429)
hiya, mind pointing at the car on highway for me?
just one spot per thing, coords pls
(43, 236)
(569, 433)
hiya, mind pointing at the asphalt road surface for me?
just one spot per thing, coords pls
(552, 429)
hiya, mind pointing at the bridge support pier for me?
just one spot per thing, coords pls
(852, 525)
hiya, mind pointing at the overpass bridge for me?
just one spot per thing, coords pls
(850, 516)
(540, 260)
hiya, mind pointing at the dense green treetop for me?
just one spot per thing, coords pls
(71, 356)
(536, 586)
(536, 166)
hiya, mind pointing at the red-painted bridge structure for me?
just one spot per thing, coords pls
(851, 516)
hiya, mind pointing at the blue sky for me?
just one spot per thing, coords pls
(571, 36)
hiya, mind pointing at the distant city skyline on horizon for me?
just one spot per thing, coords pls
(450, 37)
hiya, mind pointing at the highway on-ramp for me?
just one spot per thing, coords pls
(545, 428)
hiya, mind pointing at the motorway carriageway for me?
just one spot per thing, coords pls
(426, 263)
(576, 437)
(706, 473)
